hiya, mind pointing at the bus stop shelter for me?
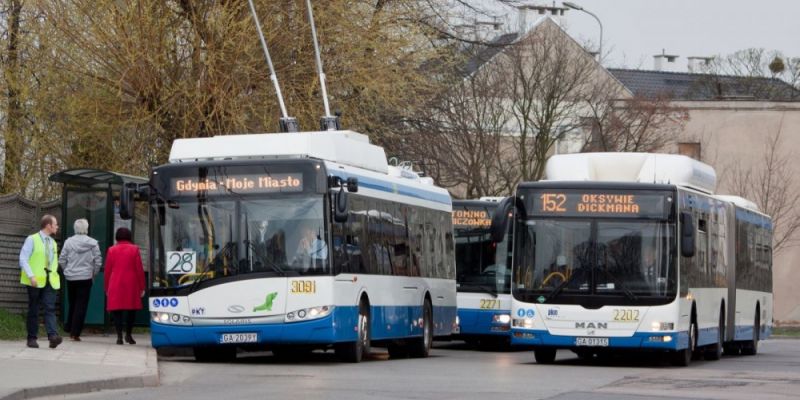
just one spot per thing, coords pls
(94, 194)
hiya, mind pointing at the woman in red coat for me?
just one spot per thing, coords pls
(124, 282)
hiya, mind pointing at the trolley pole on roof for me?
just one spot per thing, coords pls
(287, 123)
(327, 122)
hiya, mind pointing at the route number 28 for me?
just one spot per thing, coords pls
(181, 262)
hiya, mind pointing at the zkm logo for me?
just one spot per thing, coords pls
(591, 325)
(166, 302)
(236, 309)
(552, 312)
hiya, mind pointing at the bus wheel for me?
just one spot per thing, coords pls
(683, 358)
(215, 354)
(544, 355)
(421, 347)
(354, 351)
(750, 348)
(714, 351)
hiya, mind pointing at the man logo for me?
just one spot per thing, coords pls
(591, 325)
(236, 309)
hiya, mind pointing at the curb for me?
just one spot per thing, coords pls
(149, 379)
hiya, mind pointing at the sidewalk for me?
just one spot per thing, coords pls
(95, 363)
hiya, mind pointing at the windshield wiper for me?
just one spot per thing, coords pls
(622, 286)
(555, 292)
(264, 260)
(208, 273)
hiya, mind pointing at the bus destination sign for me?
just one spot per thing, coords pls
(240, 184)
(601, 204)
(472, 219)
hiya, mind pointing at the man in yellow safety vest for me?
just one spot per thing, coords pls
(39, 262)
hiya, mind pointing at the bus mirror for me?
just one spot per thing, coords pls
(126, 200)
(499, 226)
(340, 209)
(687, 235)
(352, 185)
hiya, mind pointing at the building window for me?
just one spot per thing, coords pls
(691, 149)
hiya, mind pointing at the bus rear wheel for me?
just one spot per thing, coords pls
(750, 348)
(421, 347)
(354, 351)
(714, 351)
(544, 355)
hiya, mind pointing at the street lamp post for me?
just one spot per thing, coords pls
(579, 8)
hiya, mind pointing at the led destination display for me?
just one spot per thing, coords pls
(600, 204)
(242, 184)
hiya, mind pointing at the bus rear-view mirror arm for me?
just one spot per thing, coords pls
(501, 215)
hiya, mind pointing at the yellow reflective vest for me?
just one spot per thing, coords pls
(38, 263)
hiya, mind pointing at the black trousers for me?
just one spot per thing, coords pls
(45, 296)
(130, 318)
(78, 295)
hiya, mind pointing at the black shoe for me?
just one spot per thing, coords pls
(129, 339)
(119, 339)
(55, 341)
(33, 344)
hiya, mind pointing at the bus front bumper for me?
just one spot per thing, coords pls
(319, 331)
(639, 340)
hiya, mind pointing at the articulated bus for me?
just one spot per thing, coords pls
(297, 241)
(483, 275)
(634, 251)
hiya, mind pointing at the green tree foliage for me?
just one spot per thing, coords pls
(110, 84)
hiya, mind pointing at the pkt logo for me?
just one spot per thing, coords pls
(591, 325)
(199, 311)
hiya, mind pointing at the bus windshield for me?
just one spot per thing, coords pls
(214, 237)
(567, 260)
(481, 265)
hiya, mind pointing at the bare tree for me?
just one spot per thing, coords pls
(757, 73)
(457, 135)
(772, 185)
(547, 76)
(636, 124)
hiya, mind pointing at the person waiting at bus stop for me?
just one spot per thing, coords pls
(38, 259)
(80, 260)
(124, 283)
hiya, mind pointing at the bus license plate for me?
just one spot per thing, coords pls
(239, 338)
(591, 341)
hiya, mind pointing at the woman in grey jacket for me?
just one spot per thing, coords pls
(81, 261)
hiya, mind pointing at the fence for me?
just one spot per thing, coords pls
(19, 217)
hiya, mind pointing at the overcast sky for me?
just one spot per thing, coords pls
(635, 30)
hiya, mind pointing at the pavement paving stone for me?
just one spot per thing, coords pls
(95, 363)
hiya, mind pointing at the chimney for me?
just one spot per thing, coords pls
(699, 65)
(528, 15)
(661, 62)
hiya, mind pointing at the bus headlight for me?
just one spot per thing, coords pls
(306, 314)
(170, 318)
(504, 319)
(525, 323)
(662, 326)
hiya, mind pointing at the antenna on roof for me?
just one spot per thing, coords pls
(287, 123)
(327, 122)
